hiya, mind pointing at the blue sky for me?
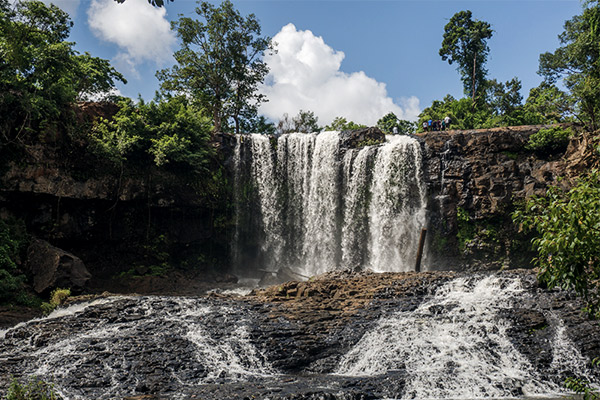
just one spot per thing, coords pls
(390, 58)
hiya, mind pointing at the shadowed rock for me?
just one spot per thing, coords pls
(52, 267)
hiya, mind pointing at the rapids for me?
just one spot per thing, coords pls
(471, 337)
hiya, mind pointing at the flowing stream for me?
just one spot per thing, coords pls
(458, 342)
(309, 205)
(456, 345)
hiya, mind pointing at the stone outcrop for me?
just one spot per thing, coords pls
(360, 137)
(483, 170)
(109, 218)
(52, 267)
(483, 173)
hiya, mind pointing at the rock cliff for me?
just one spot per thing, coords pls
(475, 178)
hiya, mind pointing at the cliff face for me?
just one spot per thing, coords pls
(114, 220)
(126, 220)
(475, 178)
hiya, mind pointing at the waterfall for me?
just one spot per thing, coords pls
(456, 345)
(397, 210)
(319, 207)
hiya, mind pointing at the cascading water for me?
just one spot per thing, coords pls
(459, 341)
(456, 345)
(108, 348)
(321, 207)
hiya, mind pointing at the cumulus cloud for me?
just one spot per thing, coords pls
(141, 31)
(305, 74)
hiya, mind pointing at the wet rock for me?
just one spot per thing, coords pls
(359, 137)
(274, 345)
(52, 267)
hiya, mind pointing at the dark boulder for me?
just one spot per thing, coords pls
(52, 267)
(360, 137)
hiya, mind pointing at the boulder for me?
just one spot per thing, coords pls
(359, 137)
(52, 267)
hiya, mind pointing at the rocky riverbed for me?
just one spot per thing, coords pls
(337, 336)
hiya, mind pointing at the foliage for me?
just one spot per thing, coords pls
(166, 130)
(567, 224)
(504, 101)
(466, 229)
(41, 75)
(34, 389)
(258, 125)
(304, 122)
(502, 106)
(219, 64)
(548, 104)
(390, 120)
(465, 42)
(369, 142)
(549, 141)
(577, 63)
(461, 112)
(155, 3)
(341, 124)
(13, 241)
(57, 297)
(582, 386)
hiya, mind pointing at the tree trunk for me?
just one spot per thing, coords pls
(217, 121)
(473, 88)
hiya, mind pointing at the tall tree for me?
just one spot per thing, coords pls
(220, 62)
(577, 62)
(465, 42)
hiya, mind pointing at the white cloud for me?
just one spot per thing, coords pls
(305, 74)
(141, 31)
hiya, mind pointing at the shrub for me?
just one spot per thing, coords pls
(12, 242)
(549, 141)
(34, 389)
(567, 224)
(57, 297)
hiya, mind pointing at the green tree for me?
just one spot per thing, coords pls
(390, 120)
(461, 112)
(465, 42)
(504, 98)
(41, 75)
(259, 125)
(577, 63)
(220, 62)
(341, 124)
(548, 104)
(304, 122)
(164, 131)
(567, 224)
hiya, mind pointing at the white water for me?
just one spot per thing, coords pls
(456, 346)
(73, 309)
(322, 208)
(109, 347)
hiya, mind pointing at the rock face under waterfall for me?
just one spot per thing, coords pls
(475, 336)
